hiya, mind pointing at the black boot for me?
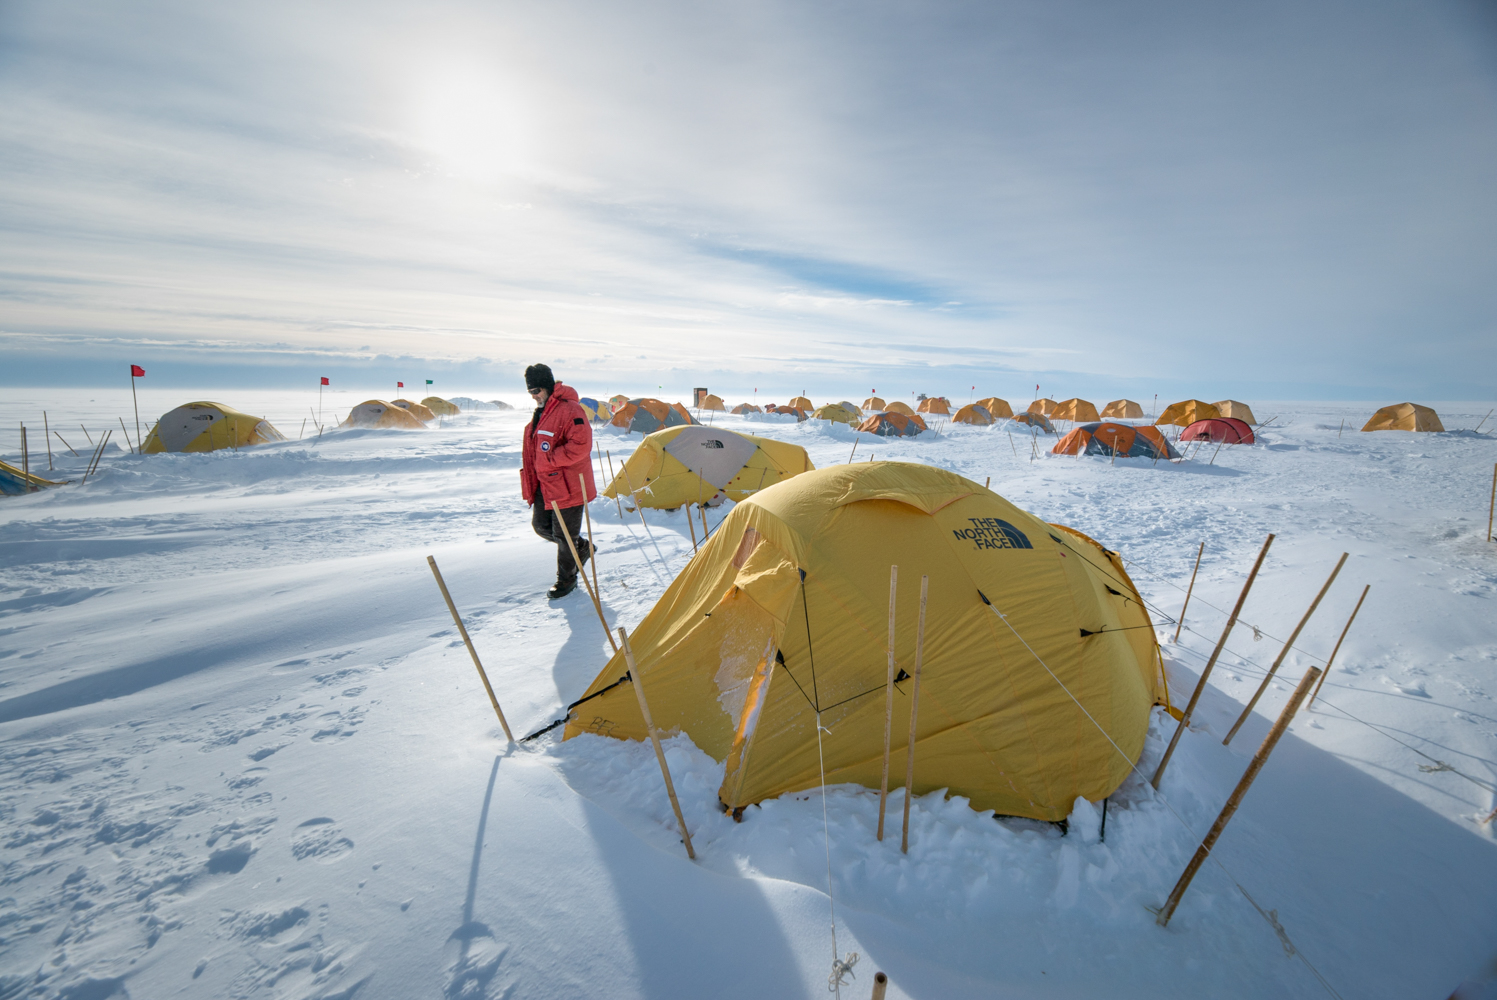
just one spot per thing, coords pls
(585, 550)
(560, 590)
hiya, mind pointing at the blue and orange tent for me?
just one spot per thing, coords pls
(1108, 438)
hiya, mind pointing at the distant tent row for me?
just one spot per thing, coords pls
(695, 464)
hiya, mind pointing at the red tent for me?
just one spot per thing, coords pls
(1227, 429)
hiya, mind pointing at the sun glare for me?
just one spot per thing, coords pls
(471, 120)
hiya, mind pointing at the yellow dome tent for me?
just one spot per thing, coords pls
(441, 407)
(973, 413)
(836, 413)
(1122, 409)
(801, 403)
(417, 410)
(873, 404)
(682, 465)
(379, 415)
(786, 608)
(997, 408)
(1405, 417)
(1187, 412)
(207, 427)
(899, 407)
(1236, 410)
(1078, 411)
(742, 408)
(713, 403)
(1043, 406)
(935, 405)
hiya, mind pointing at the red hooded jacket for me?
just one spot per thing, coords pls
(558, 448)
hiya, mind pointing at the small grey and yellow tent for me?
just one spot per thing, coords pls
(376, 414)
(1237, 411)
(441, 407)
(973, 413)
(1405, 417)
(418, 410)
(1187, 412)
(837, 413)
(207, 427)
(1122, 409)
(997, 408)
(783, 614)
(683, 465)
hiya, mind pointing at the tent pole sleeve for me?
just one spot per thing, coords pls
(463, 631)
(1206, 673)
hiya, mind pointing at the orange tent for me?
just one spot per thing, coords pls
(800, 414)
(801, 403)
(1125, 409)
(1075, 410)
(1187, 412)
(998, 408)
(898, 407)
(936, 405)
(647, 415)
(973, 413)
(1108, 438)
(891, 424)
(1043, 406)
(746, 408)
(1036, 420)
(1405, 417)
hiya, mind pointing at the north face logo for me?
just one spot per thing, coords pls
(993, 533)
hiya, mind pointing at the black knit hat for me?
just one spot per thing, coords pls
(540, 377)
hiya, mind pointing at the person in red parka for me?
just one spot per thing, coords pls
(558, 446)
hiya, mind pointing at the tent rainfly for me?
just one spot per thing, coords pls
(1078, 411)
(973, 413)
(892, 424)
(935, 405)
(1227, 429)
(684, 465)
(380, 415)
(1035, 420)
(1405, 417)
(783, 614)
(1108, 438)
(207, 427)
(1043, 406)
(1122, 409)
(1238, 411)
(441, 407)
(1187, 412)
(998, 408)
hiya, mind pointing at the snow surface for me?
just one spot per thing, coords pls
(243, 752)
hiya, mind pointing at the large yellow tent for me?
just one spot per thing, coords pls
(440, 406)
(935, 405)
(837, 413)
(380, 415)
(899, 407)
(784, 613)
(712, 402)
(801, 403)
(873, 404)
(999, 408)
(1405, 417)
(1239, 411)
(1122, 409)
(1077, 411)
(1043, 406)
(693, 464)
(973, 413)
(207, 427)
(420, 411)
(1187, 412)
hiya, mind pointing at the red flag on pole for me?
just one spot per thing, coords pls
(326, 382)
(400, 385)
(136, 371)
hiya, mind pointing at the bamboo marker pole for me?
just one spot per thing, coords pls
(1181, 623)
(463, 631)
(582, 572)
(854, 446)
(1235, 800)
(127, 436)
(65, 444)
(988, 484)
(637, 505)
(880, 984)
(909, 762)
(592, 555)
(644, 710)
(692, 524)
(1492, 504)
(87, 435)
(1337, 648)
(47, 435)
(1278, 660)
(883, 788)
(1206, 673)
(705, 532)
(25, 460)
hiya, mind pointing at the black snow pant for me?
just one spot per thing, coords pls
(543, 520)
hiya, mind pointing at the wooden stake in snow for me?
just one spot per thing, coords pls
(87, 435)
(883, 788)
(582, 572)
(1492, 504)
(1337, 648)
(1278, 660)
(665, 771)
(705, 532)
(854, 446)
(1181, 623)
(1206, 673)
(880, 984)
(691, 523)
(463, 631)
(47, 436)
(637, 505)
(592, 556)
(25, 460)
(66, 445)
(909, 762)
(1235, 800)
(127, 436)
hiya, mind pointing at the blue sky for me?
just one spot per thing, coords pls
(1265, 199)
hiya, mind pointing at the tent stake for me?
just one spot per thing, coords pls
(87, 435)
(1206, 673)
(1235, 800)
(1285, 651)
(1337, 648)
(593, 554)
(582, 572)
(1492, 504)
(463, 631)
(883, 788)
(854, 446)
(705, 532)
(637, 505)
(127, 436)
(47, 436)
(909, 761)
(1181, 623)
(644, 709)
(25, 460)
(880, 984)
(65, 443)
